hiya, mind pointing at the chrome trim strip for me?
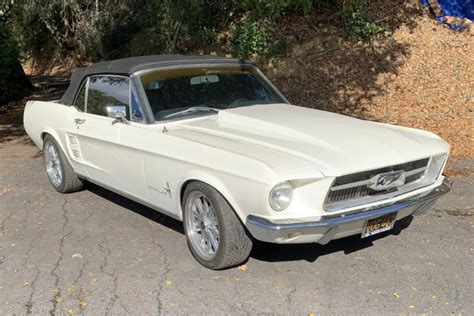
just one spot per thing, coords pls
(265, 230)
(350, 185)
(142, 99)
(363, 182)
(415, 171)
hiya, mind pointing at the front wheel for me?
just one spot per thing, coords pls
(59, 171)
(214, 234)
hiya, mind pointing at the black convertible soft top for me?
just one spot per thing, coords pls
(127, 66)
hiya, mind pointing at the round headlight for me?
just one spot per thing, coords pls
(281, 196)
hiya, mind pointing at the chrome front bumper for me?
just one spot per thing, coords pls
(342, 225)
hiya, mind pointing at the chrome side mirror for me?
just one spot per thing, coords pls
(113, 110)
(119, 113)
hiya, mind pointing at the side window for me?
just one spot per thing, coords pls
(108, 93)
(81, 99)
(136, 111)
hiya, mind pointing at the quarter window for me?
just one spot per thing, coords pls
(136, 112)
(108, 91)
(81, 99)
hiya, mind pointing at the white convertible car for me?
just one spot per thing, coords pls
(211, 142)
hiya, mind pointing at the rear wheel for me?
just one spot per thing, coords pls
(59, 171)
(214, 233)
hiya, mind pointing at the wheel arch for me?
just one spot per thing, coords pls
(217, 185)
(54, 134)
(51, 132)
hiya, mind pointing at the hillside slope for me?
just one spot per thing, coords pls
(419, 74)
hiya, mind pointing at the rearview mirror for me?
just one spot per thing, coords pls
(204, 79)
(114, 110)
(154, 85)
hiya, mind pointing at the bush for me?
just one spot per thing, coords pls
(355, 24)
(89, 30)
(248, 36)
(13, 82)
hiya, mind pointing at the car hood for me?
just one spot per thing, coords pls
(334, 144)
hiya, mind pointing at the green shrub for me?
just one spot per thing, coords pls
(13, 82)
(249, 36)
(90, 30)
(355, 24)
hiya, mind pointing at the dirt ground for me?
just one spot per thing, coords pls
(418, 74)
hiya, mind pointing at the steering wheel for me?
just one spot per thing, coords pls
(236, 102)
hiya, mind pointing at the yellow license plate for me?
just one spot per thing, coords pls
(379, 224)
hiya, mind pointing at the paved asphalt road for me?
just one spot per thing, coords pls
(95, 253)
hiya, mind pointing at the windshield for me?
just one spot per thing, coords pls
(185, 92)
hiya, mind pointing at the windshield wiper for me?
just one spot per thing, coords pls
(194, 109)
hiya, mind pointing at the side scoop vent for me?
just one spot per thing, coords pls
(74, 148)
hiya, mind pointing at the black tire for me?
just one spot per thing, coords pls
(234, 243)
(70, 182)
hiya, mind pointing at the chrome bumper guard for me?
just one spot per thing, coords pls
(264, 230)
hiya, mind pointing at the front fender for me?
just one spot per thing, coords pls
(242, 194)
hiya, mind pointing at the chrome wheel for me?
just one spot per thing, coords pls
(202, 225)
(53, 164)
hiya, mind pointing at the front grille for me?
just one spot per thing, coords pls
(354, 186)
(350, 193)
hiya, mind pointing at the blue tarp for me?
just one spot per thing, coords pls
(458, 8)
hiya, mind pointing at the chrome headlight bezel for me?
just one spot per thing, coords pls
(281, 195)
(436, 166)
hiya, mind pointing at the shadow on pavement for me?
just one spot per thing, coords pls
(261, 251)
(311, 252)
(135, 207)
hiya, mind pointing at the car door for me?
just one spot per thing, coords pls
(108, 147)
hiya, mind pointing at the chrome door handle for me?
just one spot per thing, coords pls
(79, 121)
